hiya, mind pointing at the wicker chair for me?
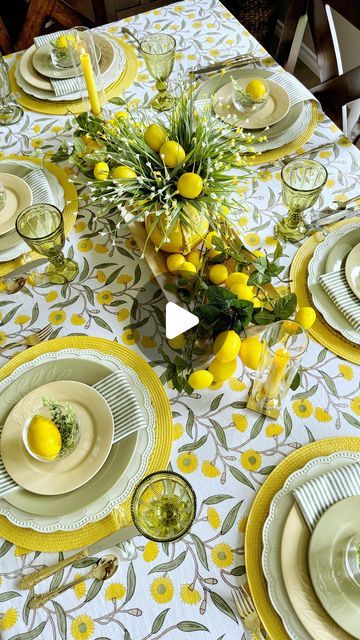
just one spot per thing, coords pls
(257, 16)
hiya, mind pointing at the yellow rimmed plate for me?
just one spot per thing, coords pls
(72, 471)
(18, 197)
(258, 515)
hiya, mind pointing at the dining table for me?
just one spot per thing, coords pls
(223, 449)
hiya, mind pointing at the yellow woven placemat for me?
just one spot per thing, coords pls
(124, 81)
(286, 149)
(159, 457)
(258, 514)
(70, 209)
(320, 331)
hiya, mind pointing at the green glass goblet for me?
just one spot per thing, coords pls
(158, 51)
(302, 182)
(163, 506)
(41, 226)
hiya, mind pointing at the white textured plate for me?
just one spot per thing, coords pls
(108, 78)
(18, 197)
(352, 270)
(113, 483)
(272, 532)
(11, 246)
(96, 426)
(43, 64)
(350, 234)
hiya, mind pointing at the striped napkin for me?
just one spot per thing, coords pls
(336, 287)
(67, 85)
(40, 187)
(319, 494)
(124, 407)
(295, 89)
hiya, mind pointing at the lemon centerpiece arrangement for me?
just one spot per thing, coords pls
(171, 174)
(253, 97)
(48, 438)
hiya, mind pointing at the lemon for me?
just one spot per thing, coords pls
(236, 278)
(123, 173)
(190, 185)
(250, 352)
(178, 342)
(187, 269)
(256, 89)
(226, 346)
(306, 316)
(101, 170)
(174, 262)
(242, 291)
(201, 379)
(290, 327)
(172, 153)
(62, 42)
(208, 240)
(155, 136)
(218, 273)
(43, 437)
(195, 258)
(222, 370)
(181, 239)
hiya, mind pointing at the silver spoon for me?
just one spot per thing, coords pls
(103, 570)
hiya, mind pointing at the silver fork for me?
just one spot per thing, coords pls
(35, 338)
(248, 613)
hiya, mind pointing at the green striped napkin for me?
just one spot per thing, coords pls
(336, 287)
(319, 494)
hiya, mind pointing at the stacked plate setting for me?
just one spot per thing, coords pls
(34, 70)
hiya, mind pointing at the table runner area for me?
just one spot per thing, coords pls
(224, 450)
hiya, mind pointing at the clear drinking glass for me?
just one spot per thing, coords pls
(10, 113)
(163, 506)
(352, 559)
(41, 226)
(302, 182)
(158, 51)
(84, 56)
(283, 345)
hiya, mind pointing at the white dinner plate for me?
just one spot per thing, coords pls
(352, 270)
(127, 461)
(350, 235)
(18, 197)
(280, 507)
(73, 470)
(44, 65)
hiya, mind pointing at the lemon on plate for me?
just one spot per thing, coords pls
(172, 153)
(226, 346)
(256, 89)
(43, 437)
(243, 291)
(195, 258)
(218, 274)
(174, 262)
(187, 269)
(123, 173)
(155, 136)
(101, 170)
(236, 278)
(190, 185)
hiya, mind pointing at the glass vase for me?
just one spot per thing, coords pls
(283, 345)
(84, 56)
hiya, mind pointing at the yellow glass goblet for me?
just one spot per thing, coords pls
(41, 226)
(158, 51)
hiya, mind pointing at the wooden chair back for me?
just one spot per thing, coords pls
(336, 88)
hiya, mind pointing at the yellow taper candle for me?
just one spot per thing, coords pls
(276, 373)
(90, 83)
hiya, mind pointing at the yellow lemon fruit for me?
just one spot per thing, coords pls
(201, 379)
(208, 240)
(43, 437)
(123, 173)
(256, 89)
(101, 170)
(62, 42)
(306, 316)
(195, 258)
(181, 238)
(242, 291)
(172, 153)
(187, 269)
(290, 327)
(226, 346)
(155, 136)
(174, 262)
(178, 342)
(250, 352)
(222, 370)
(218, 273)
(190, 185)
(236, 278)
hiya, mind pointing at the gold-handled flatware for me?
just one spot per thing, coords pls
(248, 613)
(34, 338)
(103, 570)
(230, 63)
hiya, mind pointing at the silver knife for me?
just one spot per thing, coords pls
(126, 533)
(225, 64)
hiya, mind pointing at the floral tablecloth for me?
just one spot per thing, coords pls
(224, 450)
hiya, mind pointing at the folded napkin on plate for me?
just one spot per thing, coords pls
(295, 89)
(40, 187)
(124, 407)
(319, 494)
(336, 287)
(67, 85)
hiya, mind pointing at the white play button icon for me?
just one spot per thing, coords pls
(178, 320)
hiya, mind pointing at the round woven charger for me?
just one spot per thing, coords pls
(158, 459)
(258, 514)
(320, 331)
